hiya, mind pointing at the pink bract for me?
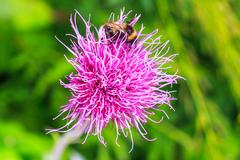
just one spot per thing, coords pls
(116, 81)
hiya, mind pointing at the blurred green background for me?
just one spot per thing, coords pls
(206, 34)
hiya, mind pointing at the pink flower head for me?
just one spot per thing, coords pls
(116, 81)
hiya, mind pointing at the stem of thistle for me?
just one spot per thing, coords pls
(67, 139)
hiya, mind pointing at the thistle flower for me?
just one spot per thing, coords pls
(115, 81)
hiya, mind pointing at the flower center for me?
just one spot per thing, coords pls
(110, 85)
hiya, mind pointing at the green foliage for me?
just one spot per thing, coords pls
(205, 34)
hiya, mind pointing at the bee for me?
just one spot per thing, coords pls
(115, 31)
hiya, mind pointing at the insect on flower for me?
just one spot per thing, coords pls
(114, 31)
(116, 82)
